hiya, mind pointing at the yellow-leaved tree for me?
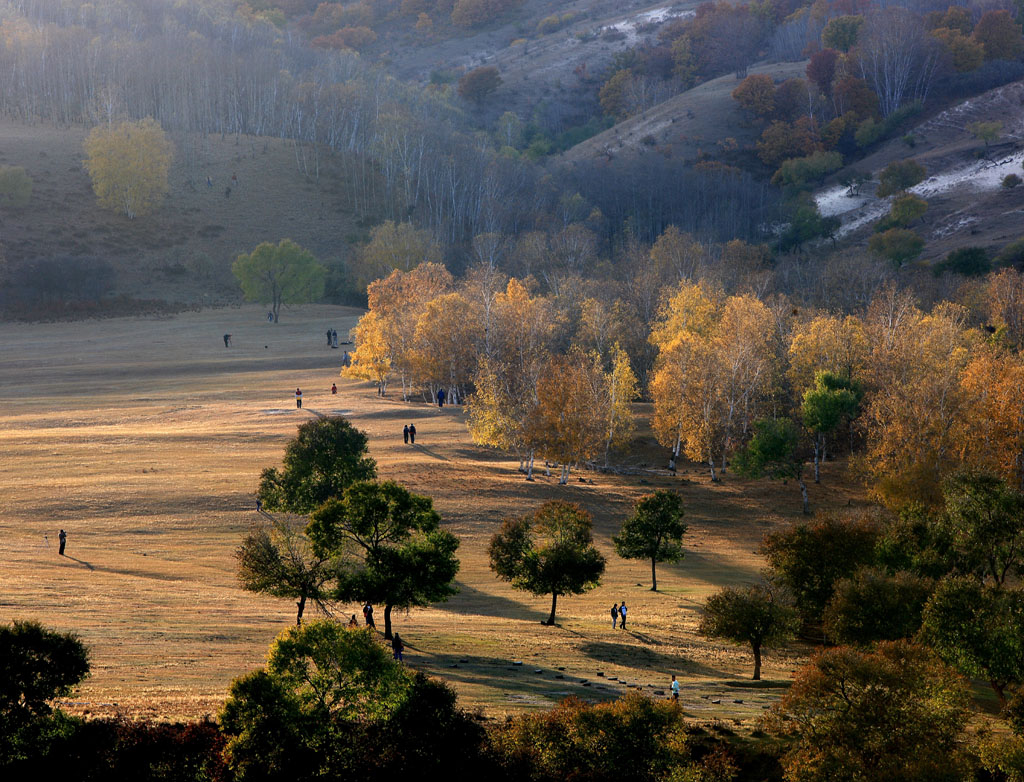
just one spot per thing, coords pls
(128, 164)
(371, 360)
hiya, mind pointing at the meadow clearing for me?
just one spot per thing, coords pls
(144, 438)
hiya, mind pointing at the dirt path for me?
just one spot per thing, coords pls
(144, 439)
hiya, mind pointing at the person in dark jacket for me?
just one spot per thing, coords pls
(405, 434)
(412, 433)
(397, 647)
(440, 397)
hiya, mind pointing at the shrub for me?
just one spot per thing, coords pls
(899, 175)
(1011, 181)
(804, 171)
(1012, 254)
(898, 245)
(968, 261)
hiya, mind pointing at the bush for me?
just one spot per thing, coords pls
(968, 261)
(875, 606)
(804, 171)
(899, 175)
(1010, 181)
(479, 84)
(898, 245)
(15, 186)
(1012, 254)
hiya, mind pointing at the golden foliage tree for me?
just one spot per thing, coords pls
(992, 431)
(371, 360)
(399, 246)
(827, 343)
(129, 164)
(446, 339)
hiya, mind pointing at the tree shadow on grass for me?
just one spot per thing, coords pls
(641, 657)
(471, 601)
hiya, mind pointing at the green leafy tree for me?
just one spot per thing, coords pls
(834, 400)
(898, 245)
(906, 209)
(898, 176)
(279, 561)
(15, 187)
(842, 32)
(654, 531)
(979, 630)
(809, 558)
(128, 164)
(892, 714)
(325, 458)
(279, 275)
(548, 552)
(987, 132)
(876, 606)
(749, 615)
(404, 558)
(774, 451)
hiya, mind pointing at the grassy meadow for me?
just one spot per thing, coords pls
(144, 439)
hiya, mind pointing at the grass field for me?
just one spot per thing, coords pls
(144, 439)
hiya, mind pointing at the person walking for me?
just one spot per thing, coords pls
(298, 398)
(397, 647)
(615, 615)
(622, 615)
(440, 397)
(334, 388)
(675, 688)
(63, 538)
(405, 434)
(334, 338)
(368, 615)
(328, 337)
(412, 433)
(227, 340)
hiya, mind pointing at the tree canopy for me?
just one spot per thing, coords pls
(279, 275)
(654, 531)
(128, 164)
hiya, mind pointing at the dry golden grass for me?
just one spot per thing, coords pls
(144, 440)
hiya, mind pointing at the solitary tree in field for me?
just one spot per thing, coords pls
(402, 558)
(654, 531)
(280, 561)
(280, 274)
(749, 615)
(128, 164)
(548, 552)
(326, 456)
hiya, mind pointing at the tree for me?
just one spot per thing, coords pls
(809, 558)
(987, 132)
(326, 457)
(876, 606)
(15, 187)
(897, 57)
(128, 164)
(654, 531)
(906, 209)
(1000, 34)
(979, 630)
(774, 451)
(756, 94)
(749, 615)
(280, 275)
(898, 176)
(895, 713)
(898, 245)
(479, 84)
(966, 53)
(621, 388)
(833, 401)
(280, 561)
(371, 360)
(399, 246)
(548, 552)
(842, 32)
(403, 557)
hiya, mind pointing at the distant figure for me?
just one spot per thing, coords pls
(622, 614)
(334, 388)
(270, 316)
(227, 340)
(334, 338)
(234, 179)
(675, 688)
(298, 398)
(328, 337)
(412, 433)
(440, 397)
(405, 434)
(63, 538)
(615, 615)
(209, 182)
(259, 505)
(368, 616)
(352, 622)
(346, 360)
(227, 192)
(397, 647)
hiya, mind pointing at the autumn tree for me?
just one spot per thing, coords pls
(1004, 295)
(548, 552)
(966, 53)
(446, 342)
(620, 389)
(898, 176)
(278, 560)
(897, 57)
(874, 716)
(402, 557)
(128, 164)
(1000, 35)
(325, 458)
(992, 431)
(280, 275)
(749, 615)
(842, 32)
(396, 246)
(479, 84)
(371, 359)
(899, 245)
(827, 343)
(774, 451)
(834, 400)
(756, 94)
(654, 531)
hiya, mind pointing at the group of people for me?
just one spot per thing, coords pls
(619, 615)
(397, 645)
(332, 338)
(409, 434)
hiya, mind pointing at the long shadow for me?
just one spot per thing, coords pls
(79, 561)
(642, 657)
(472, 602)
(428, 452)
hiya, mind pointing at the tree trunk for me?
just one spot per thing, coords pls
(565, 475)
(301, 605)
(803, 494)
(529, 469)
(654, 576)
(554, 602)
(711, 463)
(387, 621)
(997, 688)
(817, 459)
(757, 661)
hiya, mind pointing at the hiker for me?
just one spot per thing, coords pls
(622, 613)
(63, 538)
(209, 182)
(368, 615)
(270, 316)
(397, 647)
(352, 622)
(675, 688)
(405, 434)
(334, 388)
(328, 337)
(615, 614)
(334, 338)
(440, 397)
(259, 505)
(298, 398)
(412, 433)
(227, 340)
(346, 360)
